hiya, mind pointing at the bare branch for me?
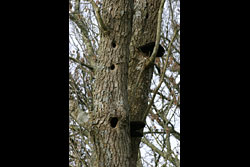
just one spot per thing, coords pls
(162, 76)
(80, 24)
(152, 57)
(158, 33)
(164, 155)
(99, 19)
(81, 63)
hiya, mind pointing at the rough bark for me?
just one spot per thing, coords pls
(144, 31)
(110, 118)
(117, 98)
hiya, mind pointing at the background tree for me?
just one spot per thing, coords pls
(112, 82)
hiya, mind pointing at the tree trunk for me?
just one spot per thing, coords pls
(144, 31)
(117, 98)
(110, 119)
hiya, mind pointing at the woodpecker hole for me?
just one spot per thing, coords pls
(146, 15)
(113, 44)
(112, 67)
(113, 122)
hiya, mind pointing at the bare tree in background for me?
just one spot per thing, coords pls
(115, 86)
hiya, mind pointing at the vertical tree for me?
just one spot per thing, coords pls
(110, 115)
(113, 51)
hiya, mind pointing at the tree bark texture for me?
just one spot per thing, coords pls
(143, 31)
(117, 98)
(110, 118)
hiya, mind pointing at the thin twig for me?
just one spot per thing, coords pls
(84, 31)
(152, 57)
(162, 76)
(81, 63)
(99, 19)
(158, 35)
